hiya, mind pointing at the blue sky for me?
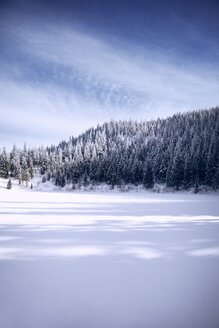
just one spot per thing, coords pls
(68, 65)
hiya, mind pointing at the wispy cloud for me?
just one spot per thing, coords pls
(205, 252)
(62, 80)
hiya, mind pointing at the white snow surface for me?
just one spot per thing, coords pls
(115, 259)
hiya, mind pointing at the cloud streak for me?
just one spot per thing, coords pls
(63, 80)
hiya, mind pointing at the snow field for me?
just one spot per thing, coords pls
(83, 259)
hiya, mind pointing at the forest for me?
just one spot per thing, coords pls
(180, 152)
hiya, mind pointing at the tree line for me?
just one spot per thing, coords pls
(181, 152)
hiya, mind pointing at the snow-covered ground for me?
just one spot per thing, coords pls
(83, 259)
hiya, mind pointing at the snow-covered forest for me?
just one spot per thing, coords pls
(180, 152)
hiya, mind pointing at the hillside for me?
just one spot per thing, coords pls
(180, 152)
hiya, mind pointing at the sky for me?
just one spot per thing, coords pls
(66, 66)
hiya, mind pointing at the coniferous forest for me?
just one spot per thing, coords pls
(181, 152)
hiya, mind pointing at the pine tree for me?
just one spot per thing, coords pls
(148, 180)
(9, 185)
(196, 187)
(177, 171)
(4, 164)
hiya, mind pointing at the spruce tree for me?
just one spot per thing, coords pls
(9, 185)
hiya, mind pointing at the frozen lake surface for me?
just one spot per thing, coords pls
(108, 260)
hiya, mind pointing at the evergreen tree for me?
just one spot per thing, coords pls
(9, 185)
(4, 164)
(148, 180)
